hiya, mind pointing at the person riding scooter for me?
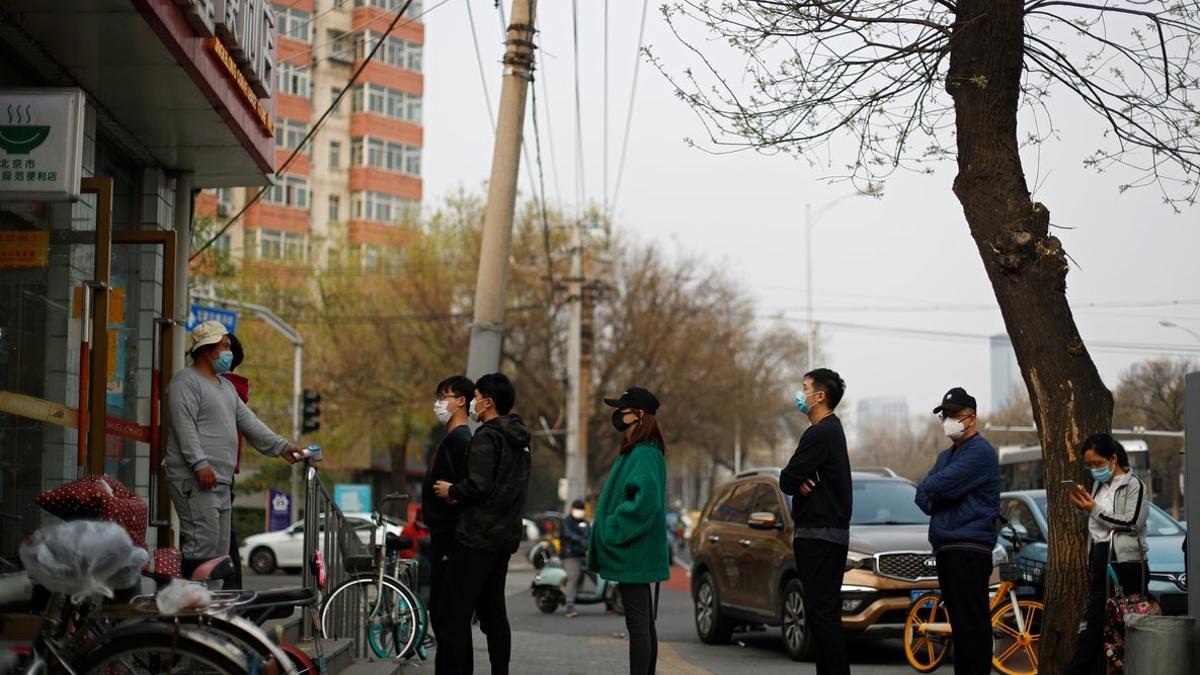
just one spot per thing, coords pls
(574, 536)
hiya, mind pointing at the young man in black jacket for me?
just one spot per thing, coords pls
(818, 478)
(574, 537)
(492, 498)
(448, 463)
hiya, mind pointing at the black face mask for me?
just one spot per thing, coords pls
(619, 423)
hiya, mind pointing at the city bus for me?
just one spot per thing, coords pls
(1021, 465)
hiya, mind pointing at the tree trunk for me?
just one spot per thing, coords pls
(1027, 268)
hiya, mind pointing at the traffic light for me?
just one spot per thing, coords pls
(312, 410)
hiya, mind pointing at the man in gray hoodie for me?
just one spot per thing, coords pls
(206, 416)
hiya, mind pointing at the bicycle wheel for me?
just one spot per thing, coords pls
(926, 649)
(1015, 652)
(387, 631)
(262, 654)
(357, 604)
(149, 649)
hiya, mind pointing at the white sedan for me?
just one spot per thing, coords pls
(284, 549)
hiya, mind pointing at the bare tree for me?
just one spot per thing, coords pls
(900, 79)
(1151, 394)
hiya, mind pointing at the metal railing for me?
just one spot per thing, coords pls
(324, 529)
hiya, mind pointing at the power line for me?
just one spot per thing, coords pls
(550, 128)
(311, 132)
(604, 187)
(354, 29)
(537, 139)
(580, 179)
(629, 115)
(952, 336)
(487, 96)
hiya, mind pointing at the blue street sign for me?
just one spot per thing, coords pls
(354, 498)
(279, 510)
(202, 313)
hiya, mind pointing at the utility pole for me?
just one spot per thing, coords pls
(575, 470)
(487, 329)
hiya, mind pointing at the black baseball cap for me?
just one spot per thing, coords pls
(956, 400)
(636, 398)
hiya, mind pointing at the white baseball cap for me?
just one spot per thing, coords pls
(207, 333)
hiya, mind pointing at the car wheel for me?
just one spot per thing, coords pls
(794, 622)
(262, 560)
(711, 626)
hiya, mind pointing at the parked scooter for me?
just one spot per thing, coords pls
(549, 589)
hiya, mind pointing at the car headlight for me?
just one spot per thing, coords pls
(859, 561)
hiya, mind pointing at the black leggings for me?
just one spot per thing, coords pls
(641, 609)
(1133, 577)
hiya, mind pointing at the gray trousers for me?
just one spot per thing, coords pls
(204, 520)
(574, 568)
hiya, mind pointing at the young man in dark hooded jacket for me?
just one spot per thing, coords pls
(492, 498)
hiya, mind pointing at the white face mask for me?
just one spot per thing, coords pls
(577, 514)
(474, 414)
(954, 428)
(441, 410)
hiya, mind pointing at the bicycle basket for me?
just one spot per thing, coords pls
(356, 556)
(1009, 571)
(1033, 572)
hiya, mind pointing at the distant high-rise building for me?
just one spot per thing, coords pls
(881, 410)
(1005, 373)
(359, 178)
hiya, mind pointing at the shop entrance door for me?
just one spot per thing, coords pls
(54, 282)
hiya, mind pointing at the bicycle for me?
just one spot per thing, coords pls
(1016, 625)
(379, 591)
(83, 638)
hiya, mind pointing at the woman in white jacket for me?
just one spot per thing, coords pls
(1117, 507)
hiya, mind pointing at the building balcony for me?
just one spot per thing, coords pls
(271, 216)
(377, 20)
(387, 128)
(392, 77)
(301, 166)
(293, 107)
(368, 179)
(378, 234)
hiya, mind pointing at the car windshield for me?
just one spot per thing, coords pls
(1158, 522)
(879, 502)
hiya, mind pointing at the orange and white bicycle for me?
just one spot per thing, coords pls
(1016, 625)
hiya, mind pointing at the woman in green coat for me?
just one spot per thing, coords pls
(629, 534)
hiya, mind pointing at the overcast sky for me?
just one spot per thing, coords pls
(905, 260)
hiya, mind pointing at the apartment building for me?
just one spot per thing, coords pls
(359, 178)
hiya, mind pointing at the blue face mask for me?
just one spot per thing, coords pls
(802, 403)
(1103, 475)
(223, 363)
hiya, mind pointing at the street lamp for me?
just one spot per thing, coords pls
(810, 219)
(1172, 324)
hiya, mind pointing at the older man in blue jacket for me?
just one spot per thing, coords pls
(962, 494)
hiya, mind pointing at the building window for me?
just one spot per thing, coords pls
(394, 52)
(333, 96)
(294, 80)
(277, 245)
(294, 24)
(389, 102)
(341, 46)
(289, 133)
(224, 202)
(222, 245)
(335, 155)
(335, 208)
(380, 154)
(379, 207)
(289, 191)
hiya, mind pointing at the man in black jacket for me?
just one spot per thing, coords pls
(818, 478)
(574, 537)
(492, 497)
(448, 463)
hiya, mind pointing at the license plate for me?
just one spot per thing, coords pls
(913, 595)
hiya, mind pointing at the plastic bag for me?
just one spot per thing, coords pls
(83, 558)
(182, 595)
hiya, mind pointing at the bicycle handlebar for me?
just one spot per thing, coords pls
(397, 497)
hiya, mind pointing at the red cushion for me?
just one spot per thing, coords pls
(167, 562)
(99, 498)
